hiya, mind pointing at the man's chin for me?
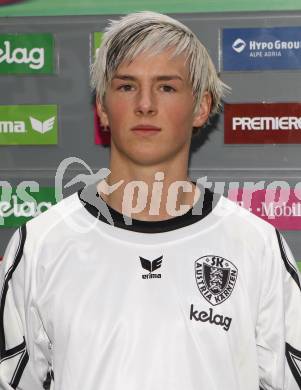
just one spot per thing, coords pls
(150, 159)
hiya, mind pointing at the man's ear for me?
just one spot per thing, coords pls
(101, 111)
(202, 114)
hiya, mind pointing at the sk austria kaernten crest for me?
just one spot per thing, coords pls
(215, 278)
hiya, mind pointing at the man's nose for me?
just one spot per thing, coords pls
(146, 103)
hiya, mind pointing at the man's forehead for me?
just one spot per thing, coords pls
(159, 77)
(162, 66)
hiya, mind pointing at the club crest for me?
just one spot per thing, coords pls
(215, 278)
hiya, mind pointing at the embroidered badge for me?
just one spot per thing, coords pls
(215, 278)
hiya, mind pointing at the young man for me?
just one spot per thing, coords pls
(191, 294)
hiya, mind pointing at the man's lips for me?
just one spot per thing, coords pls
(144, 127)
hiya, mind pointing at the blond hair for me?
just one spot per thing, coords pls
(126, 38)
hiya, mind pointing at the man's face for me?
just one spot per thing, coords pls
(152, 91)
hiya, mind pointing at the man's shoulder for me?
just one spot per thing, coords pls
(241, 218)
(56, 218)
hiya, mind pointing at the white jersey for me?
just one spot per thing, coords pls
(210, 301)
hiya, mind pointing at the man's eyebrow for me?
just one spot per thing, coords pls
(157, 78)
(124, 77)
(169, 77)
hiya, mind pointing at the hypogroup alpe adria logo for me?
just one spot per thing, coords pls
(239, 45)
(257, 48)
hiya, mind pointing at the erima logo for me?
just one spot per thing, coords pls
(215, 278)
(13, 127)
(212, 318)
(239, 45)
(151, 266)
(266, 123)
(42, 127)
(35, 58)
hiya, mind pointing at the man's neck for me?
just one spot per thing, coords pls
(149, 194)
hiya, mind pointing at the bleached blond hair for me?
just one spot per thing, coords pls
(152, 32)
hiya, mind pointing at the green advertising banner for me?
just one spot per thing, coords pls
(26, 54)
(18, 205)
(96, 7)
(28, 125)
(96, 41)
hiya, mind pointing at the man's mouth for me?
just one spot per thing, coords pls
(145, 128)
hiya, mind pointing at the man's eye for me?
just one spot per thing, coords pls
(167, 88)
(125, 87)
